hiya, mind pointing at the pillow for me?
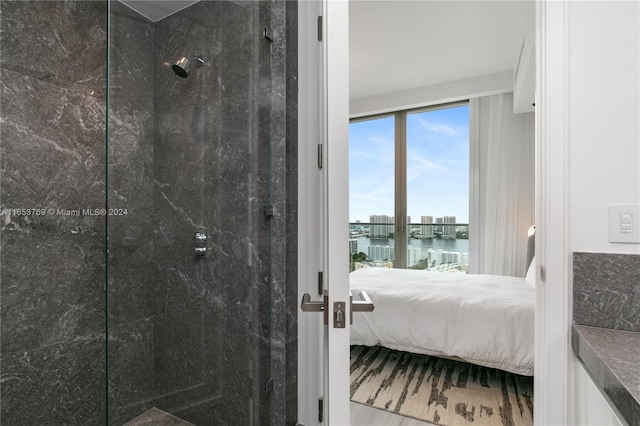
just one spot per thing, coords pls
(531, 273)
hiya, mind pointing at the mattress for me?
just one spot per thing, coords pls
(483, 319)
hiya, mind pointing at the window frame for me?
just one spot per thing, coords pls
(401, 241)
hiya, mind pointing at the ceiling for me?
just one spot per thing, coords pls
(156, 10)
(400, 45)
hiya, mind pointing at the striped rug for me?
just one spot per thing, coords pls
(439, 391)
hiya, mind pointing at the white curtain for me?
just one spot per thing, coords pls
(502, 184)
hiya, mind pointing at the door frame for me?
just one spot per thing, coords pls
(310, 218)
(335, 36)
(553, 390)
(323, 81)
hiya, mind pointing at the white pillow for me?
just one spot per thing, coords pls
(531, 273)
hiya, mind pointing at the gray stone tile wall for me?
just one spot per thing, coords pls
(206, 165)
(606, 290)
(52, 148)
(197, 338)
(132, 266)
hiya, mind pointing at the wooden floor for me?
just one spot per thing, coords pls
(361, 415)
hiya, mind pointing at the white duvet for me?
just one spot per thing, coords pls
(483, 319)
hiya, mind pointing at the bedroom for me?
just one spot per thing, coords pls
(562, 399)
(419, 89)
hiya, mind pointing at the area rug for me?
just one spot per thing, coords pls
(439, 391)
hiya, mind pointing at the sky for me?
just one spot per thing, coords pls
(437, 165)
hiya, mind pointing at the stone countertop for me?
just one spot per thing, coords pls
(612, 357)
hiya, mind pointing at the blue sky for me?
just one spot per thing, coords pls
(437, 165)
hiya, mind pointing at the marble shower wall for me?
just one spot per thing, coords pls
(288, 364)
(132, 263)
(193, 309)
(220, 158)
(52, 122)
(198, 338)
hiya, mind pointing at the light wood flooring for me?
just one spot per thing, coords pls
(361, 415)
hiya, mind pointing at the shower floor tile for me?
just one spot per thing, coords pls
(157, 417)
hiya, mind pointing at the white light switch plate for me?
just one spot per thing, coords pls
(624, 223)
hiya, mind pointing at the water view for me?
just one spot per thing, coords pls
(440, 252)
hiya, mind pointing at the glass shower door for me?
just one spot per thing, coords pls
(189, 265)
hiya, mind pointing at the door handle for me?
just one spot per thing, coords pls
(309, 305)
(363, 305)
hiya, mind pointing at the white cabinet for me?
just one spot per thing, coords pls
(591, 406)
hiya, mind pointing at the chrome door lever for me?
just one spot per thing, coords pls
(308, 305)
(363, 305)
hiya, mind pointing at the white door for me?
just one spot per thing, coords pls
(323, 79)
(336, 208)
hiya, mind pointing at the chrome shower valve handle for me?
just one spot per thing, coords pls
(200, 248)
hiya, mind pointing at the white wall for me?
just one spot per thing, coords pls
(604, 111)
(603, 133)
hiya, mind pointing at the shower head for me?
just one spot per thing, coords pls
(181, 67)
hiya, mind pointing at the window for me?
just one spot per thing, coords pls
(409, 189)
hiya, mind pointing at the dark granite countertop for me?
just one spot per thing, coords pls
(612, 357)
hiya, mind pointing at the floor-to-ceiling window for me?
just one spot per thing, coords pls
(409, 189)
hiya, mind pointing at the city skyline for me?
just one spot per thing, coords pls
(424, 219)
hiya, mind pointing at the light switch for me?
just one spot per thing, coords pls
(626, 223)
(623, 223)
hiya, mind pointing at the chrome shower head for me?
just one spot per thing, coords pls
(181, 67)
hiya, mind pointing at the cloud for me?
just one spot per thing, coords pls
(417, 166)
(436, 128)
(367, 197)
(362, 154)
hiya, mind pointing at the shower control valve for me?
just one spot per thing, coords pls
(200, 244)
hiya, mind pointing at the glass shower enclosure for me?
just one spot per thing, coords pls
(150, 282)
(189, 241)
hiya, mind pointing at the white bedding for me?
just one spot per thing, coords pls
(483, 319)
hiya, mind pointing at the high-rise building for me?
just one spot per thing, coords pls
(426, 231)
(439, 229)
(353, 246)
(449, 231)
(441, 257)
(387, 253)
(451, 257)
(381, 253)
(381, 231)
(414, 254)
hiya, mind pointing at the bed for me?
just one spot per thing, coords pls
(482, 319)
